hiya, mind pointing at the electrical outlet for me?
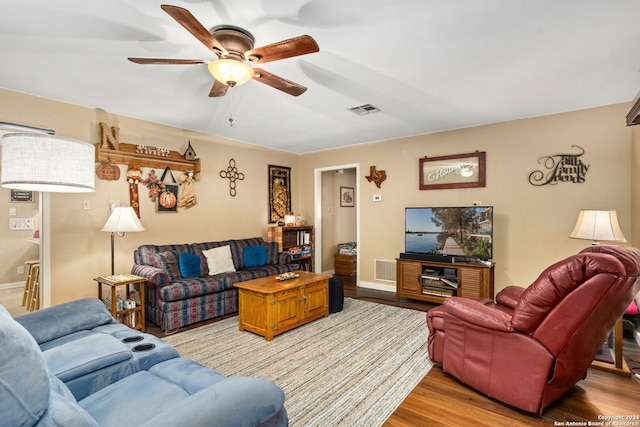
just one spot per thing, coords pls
(20, 269)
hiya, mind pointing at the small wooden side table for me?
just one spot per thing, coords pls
(132, 317)
(619, 366)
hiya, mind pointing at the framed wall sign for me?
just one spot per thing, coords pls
(21, 196)
(455, 171)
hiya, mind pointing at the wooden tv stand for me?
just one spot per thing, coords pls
(434, 281)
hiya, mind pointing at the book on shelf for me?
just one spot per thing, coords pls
(437, 291)
(451, 283)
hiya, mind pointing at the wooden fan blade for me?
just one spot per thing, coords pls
(218, 89)
(166, 61)
(191, 24)
(285, 49)
(277, 82)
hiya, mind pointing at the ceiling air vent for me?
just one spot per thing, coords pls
(364, 109)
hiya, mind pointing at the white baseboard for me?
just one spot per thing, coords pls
(11, 285)
(378, 286)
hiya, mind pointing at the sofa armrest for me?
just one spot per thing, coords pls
(63, 319)
(233, 402)
(477, 313)
(155, 276)
(510, 296)
(284, 258)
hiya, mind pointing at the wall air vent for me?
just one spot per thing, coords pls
(364, 109)
(385, 270)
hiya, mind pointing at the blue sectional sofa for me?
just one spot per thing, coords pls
(188, 283)
(127, 391)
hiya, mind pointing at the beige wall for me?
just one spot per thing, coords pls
(531, 223)
(80, 252)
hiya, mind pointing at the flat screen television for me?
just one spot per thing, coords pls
(460, 232)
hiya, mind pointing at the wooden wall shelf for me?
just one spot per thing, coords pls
(127, 155)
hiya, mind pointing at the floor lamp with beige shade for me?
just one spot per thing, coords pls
(601, 225)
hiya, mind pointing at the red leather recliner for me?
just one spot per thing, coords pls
(531, 345)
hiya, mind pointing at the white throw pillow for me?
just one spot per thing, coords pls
(219, 260)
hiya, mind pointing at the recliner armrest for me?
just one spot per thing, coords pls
(234, 401)
(63, 319)
(477, 313)
(510, 296)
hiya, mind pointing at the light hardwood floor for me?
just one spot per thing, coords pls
(11, 299)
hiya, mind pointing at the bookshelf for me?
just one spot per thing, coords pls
(297, 241)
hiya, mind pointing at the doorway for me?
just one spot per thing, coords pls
(334, 223)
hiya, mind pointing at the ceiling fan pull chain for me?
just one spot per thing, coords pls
(230, 106)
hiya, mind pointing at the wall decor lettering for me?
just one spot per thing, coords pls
(109, 136)
(560, 168)
(279, 192)
(455, 171)
(232, 175)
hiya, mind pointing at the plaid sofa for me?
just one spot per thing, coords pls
(173, 301)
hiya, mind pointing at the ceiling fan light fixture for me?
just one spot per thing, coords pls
(231, 72)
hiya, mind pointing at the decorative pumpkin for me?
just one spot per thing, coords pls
(168, 200)
(108, 172)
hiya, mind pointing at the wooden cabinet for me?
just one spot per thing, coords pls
(298, 241)
(435, 281)
(345, 265)
(269, 308)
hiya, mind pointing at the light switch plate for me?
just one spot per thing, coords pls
(16, 224)
(377, 197)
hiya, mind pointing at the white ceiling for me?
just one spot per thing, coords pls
(428, 65)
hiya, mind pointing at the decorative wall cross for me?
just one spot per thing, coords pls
(232, 175)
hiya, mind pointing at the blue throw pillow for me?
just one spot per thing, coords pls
(189, 265)
(254, 256)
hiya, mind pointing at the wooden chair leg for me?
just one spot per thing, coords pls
(34, 300)
(28, 284)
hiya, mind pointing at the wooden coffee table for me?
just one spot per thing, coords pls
(269, 307)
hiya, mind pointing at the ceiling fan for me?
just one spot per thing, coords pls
(233, 46)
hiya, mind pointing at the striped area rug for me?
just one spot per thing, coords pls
(353, 368)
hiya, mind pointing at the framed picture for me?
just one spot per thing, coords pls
(455, 171)
(21, 196)
(279, 192)
(346, 197)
